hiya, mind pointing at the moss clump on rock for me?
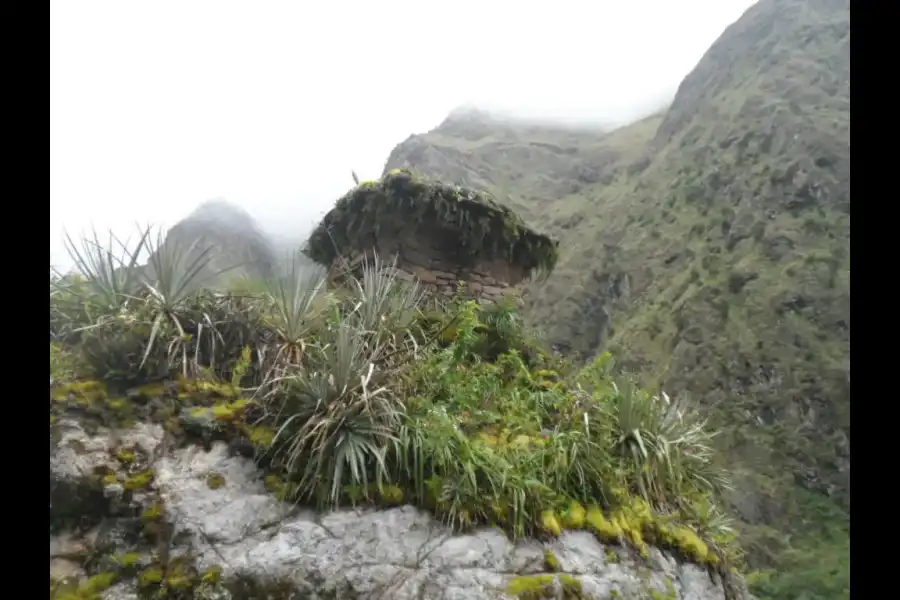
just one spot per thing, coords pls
(214, 481)
(88, 590)
(551, 563)
(139, 481)
(537, 587)
(485, 228)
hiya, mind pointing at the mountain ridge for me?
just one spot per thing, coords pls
(707, 247)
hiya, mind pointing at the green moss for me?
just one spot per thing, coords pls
(388, 494)
(81, 392)
(212, 576)
(605, 530)
(154, 512)
(226, 412)
(100, 582)
(208, 387)
(180, 580)
(151, 576)
(670, 594)
(283, 490)
(151, 390)
(178, 577)
(551, 563)
(126, 456)
(536, 587)
(688, 543)
(89, 590)
(550, 522)
(575, 516)
(119, 405)
(636, 523)
(262, 437)
(214, 481)
(140, 480)
(127, 560)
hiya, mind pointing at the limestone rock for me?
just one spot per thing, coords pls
(402, 553)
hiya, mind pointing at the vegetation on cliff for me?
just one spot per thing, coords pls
(708, 249)
(365, 395)
(484, 228)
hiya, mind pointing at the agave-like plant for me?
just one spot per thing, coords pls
(104, 281)
(176, 271)
(668, 443)
(339, 423)
(110, 270)
(340, 413)
(292, 299)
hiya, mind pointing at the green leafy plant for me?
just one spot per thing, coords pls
(177, 272)
(292, 299)
(339, 403)
(110, 271)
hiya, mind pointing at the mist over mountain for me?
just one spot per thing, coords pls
(236, 243)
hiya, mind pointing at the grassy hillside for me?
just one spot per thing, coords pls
(708, 248)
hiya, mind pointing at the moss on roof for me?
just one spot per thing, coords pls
(486, 228)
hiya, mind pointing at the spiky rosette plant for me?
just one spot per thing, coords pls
(294, 300)
(132, 321)
(339, 404)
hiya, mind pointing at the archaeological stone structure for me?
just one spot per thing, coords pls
(441, 235)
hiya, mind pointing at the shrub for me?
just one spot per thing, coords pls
(365, 394)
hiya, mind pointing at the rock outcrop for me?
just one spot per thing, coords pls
(440, 234)
(114, 492)
(237, 244)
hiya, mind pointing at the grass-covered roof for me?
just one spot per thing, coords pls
(486, 229)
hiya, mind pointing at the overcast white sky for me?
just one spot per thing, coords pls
(157, 106)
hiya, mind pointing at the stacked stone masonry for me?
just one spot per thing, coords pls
(446, 280)
(432, 256)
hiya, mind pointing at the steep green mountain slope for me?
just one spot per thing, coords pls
(709, 249)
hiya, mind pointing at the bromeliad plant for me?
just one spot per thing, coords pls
(129, 320)
(293, 301)
(178, 271)
(110, 271)
(667, 446)
(339, 404)
(106, 279)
